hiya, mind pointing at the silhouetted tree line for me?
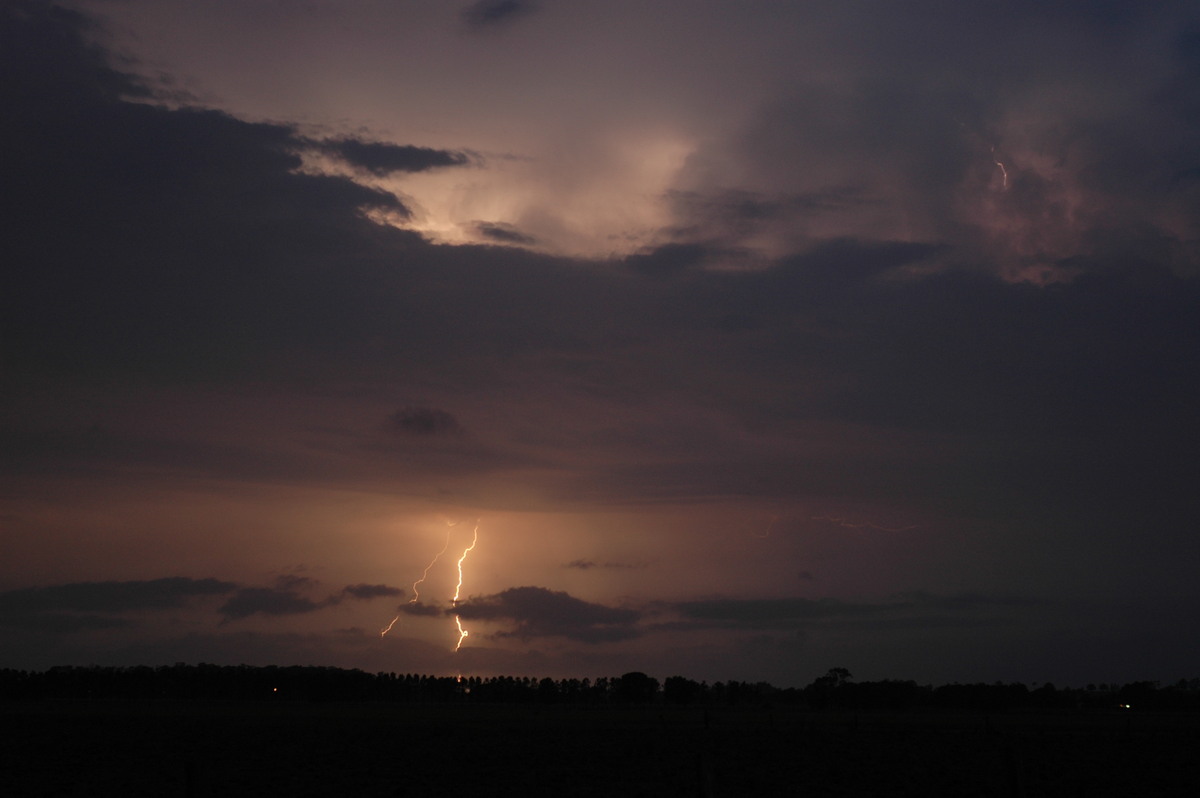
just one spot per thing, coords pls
(836, 690)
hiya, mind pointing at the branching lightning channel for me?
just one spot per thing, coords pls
(424, 574)
(462, 633)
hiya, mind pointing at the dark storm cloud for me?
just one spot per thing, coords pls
(367, 592)
(931, 101)
(193, 241)
(491, 13)
(842, 264)
(668, 259)
(966, 601)
(733, 215)
(539, 612)
(197, 248)
(268, 601)
(287, 597)
(503, 233)
(154, 594)
(424, 421)
(59, 69)
(380, 158)
(1070, 373)
(739, 205)
(60, 623)
(916, 610)
(887, 356)
(768, 611)
(421, 610)
(89, 606)
(1058, 394)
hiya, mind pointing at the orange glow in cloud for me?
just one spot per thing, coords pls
(582, 198)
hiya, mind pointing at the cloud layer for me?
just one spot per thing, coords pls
(837, 313)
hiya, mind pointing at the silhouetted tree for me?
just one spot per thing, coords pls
(636, 687)
(678, 690)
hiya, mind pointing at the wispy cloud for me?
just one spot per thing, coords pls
(367, 592)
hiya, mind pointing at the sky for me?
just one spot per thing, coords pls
(731, 341)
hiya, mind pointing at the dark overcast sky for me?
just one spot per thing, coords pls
(743, 340)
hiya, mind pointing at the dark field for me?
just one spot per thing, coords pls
(377, 749)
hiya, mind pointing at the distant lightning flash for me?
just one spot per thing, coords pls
(1003, 170)
(462, 633)
(425, 573)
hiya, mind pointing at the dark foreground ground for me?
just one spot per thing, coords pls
(362, 749)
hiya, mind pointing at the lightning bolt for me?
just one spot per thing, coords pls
(424, 574)
(383, 632)
(462, 633)
(1003, 170)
